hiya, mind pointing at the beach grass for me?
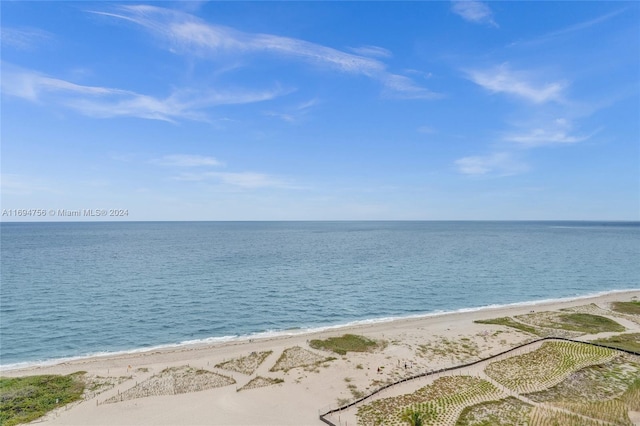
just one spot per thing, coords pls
(174, 381)
(547, 366)
(613, 411)
(632, 307)
(599, 382)
(588, 323)
(544, 416)
(459, 350)
(628, 341)
(439, 403)
(24, 399)
(246, 364)
(604, 392)
(632, 396)
(260, 382)
(505, 412)
(575, 322)
(346, 343)
(297, 356)
(510, 322)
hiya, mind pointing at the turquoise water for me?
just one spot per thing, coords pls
(72, 289)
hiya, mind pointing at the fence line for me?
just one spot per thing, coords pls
(442, 370)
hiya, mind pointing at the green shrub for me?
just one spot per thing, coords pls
(24, 399)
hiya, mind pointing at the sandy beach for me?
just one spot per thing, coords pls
(282, 380)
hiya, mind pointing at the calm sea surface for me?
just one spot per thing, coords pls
(71, 289)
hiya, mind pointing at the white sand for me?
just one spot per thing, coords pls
(305, 390)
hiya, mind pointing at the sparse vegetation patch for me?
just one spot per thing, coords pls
(298, 357)
(574, 323)
(172, 381)
(456, 350)
(505, 412)
(438, 404)
(593, 383)
(246, 364)
(546, 366)
(599, 391)
(631, 308)
(510, 322)
(588, 323)
(546, 416)
(346, 343)
(95, 385)
(259, 382)
(628, 341)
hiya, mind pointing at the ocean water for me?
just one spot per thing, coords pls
(73, 289)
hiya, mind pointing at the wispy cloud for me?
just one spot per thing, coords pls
(105, 102)
(202, 169)
(401, 87)
(534, 131)
(249, 179)
(372, 51)
(32, 85)
(474, 11)
(188, 34)
(24, 38)
(500, 163)
(13, 184)
(186, 160)
(427, 130)
(581, 26)
(293, 114)
(245, 180)
(522, 84)
(556, 133)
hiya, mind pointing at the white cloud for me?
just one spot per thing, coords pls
(189, 34)
(401, 87)
(23, 38)
(281, 115)
(502, 79)
(423, 74)
(294, 113)
(307, 104)
(12, 184)
(501, 163)
(567, 31)
(246, 180)
(539, 137)
(32, 85)
(558, 132)
(103, 102)
(185, 160)
(474, 11)
(427, 130)
(372, 51)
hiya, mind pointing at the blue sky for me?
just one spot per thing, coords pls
(322, 110)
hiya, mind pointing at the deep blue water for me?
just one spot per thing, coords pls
(71, 289)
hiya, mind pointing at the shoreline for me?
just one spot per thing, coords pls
(140, 386)
(221, 341)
